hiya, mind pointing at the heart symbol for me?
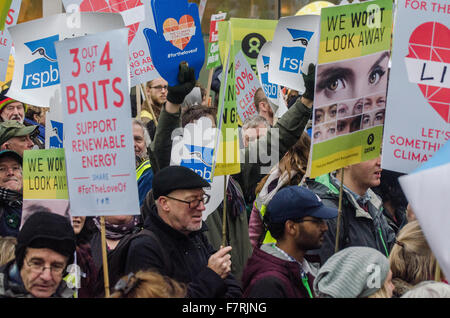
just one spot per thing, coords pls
(113, 6)
(430, 41)
(179, 33)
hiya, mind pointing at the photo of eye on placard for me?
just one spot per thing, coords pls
(351, 79)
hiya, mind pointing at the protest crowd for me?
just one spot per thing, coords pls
(348, 233)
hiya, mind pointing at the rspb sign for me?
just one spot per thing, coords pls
(178, 38)
(295, 39)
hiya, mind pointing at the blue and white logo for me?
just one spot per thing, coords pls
(200, 161)
(43, 71)
(270, 89)
(56, 134)
(292, 57)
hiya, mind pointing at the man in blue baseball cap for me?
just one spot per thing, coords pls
(295, 218)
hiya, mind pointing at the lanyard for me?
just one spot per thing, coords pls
(302, 272)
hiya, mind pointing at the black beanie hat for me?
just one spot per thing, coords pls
(174, 178)
(46, 230)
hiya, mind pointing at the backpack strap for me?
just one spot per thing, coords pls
(147, 232)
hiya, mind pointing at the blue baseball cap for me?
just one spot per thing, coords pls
(12, 154)
(295, 202)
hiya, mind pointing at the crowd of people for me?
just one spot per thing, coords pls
(283, 238)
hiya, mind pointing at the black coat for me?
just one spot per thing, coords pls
(180, 257)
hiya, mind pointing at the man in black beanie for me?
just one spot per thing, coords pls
(178, 247)
(45, 246)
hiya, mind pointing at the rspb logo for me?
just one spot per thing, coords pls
(43, 71)
(199, 160)
(292, 57)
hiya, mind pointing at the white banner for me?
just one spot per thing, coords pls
(97, 119)
(5, 37)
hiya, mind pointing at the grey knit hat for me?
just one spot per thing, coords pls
(354, 272)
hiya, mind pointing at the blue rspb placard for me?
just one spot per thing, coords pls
(200, 160)
(178, 38)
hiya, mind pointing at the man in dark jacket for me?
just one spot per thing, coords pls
(45, 246)
(295, 218)
(10, 193)
(179, 248)
(363, 222)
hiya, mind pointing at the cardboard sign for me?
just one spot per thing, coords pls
(178, 37)
(351, 83)
(36, 74)
(246, 84)
(5, 37)
(213, 59)
(97, 119)
(426, 189)
(418, 110)
(294, 36)
(137, 15)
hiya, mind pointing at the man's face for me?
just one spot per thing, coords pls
(251, 134)
(19, 144)
(13, 111)
(366, 174)
(42, 283)
(10, 174)
(158, 91)
(178, 214)
(311, 233)
(139, 141)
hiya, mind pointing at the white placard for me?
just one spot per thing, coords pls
(97, 121)
(5, 37)
(294, 46)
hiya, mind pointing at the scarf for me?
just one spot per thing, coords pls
(235, 199)
(267, 192)
(117, 231)
(11, 198)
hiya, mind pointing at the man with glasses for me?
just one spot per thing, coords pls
(179, 249)
(45, 246)
(157, 92)
(295, 217)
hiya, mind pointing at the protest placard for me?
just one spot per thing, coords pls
(97, 119)
(213, 59)
(246, 84)
(418, 101)
(137, 15)
(44, 182)
(426, 189)
(5, 38)
(4, 9)
(36, 73)
(177, 38)
(351, 83)
(294, 46)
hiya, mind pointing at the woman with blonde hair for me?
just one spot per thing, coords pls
(289, 171)
(148, 284)
(411, 259)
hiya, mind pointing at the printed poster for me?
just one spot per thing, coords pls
(178, 38)
(6, 41)
(418, 112)
(44, 182)
(98, 141)
(36, 73)
(351, 83)
(213, 58)
(294, 46)
(137, 15)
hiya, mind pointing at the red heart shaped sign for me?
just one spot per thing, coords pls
(179, 33)
(430, 41)
(113, 6)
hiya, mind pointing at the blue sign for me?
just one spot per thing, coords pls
(178, 38)
(200, 161)
(56, 134)
(292, 57)
(43, 71)
(270, 89)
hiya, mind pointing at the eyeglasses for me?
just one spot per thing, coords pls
(160, 87)
(38, 267)
(194, 203)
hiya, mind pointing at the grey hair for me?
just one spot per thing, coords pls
(146, 134)
(254, 122)
(428, 289)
